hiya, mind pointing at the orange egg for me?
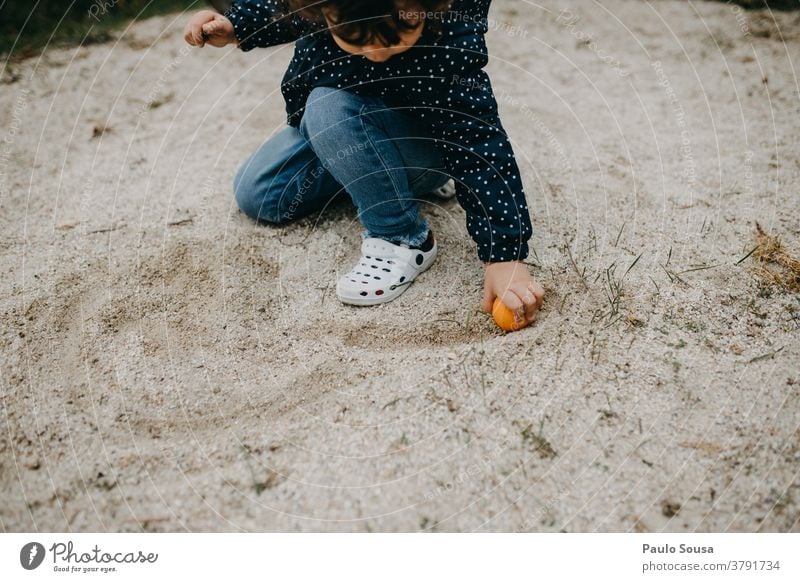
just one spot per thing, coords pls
(504, 317)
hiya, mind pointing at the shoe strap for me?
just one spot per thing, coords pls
(377, 247)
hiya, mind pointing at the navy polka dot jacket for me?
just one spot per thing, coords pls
(440, 79)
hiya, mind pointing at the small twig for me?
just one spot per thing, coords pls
(621, 228)
(744, 258)
(700, 268)
(324, 294)
(564, 300)
(672, 275)
(633, 264)
(575, 267)
(468, 320)
(766, 356)
(613, 322)
(102, 230)
(392, 403)
(181, 221)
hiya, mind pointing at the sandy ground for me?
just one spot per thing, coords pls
(168, 365)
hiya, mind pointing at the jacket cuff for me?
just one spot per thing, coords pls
(501, 252)
(244, 39)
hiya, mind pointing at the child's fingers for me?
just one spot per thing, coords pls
(188, 33)
(488, 300)
(532, 297)
(526, 299)
(211, 28)
(538, 291)
(531, 305)
(513, 302)
(197, 35)
(218, 33)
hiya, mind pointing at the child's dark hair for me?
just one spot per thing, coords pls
(360, 22)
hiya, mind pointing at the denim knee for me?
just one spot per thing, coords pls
(326, 111)
(253, 197)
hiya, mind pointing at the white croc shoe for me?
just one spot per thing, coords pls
(384, 271)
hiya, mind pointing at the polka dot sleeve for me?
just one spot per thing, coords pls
(479, 156)
(262, 23)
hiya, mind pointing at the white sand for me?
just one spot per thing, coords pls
(167, 365)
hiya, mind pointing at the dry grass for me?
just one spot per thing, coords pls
(773, 264)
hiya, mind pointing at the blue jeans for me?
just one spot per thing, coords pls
(381, 157)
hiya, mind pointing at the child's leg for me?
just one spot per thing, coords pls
(283, 180)
(379, 155)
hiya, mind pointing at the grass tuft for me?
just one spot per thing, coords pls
(773, 264)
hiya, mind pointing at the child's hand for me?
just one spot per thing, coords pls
(209, 27)
(518, 291)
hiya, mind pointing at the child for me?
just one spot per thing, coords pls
(385, 99)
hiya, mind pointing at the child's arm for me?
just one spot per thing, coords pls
(247, 23)
(479, 156)
(263, 23)
(488, 183)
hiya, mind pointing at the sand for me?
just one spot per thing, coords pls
(168, 365)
